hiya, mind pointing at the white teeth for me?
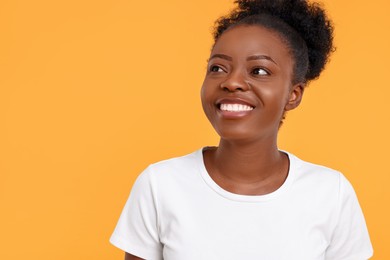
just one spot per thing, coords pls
(235, 107)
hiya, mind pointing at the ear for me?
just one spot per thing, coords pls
(295, 96)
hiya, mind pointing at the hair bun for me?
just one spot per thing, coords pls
(309, 20)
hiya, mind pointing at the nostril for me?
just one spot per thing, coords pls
(232, 88)
(234, 84)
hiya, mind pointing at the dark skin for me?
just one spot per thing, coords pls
(249, 65)
(132, 257)
(247, 90)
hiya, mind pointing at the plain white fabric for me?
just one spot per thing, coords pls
(176, 211)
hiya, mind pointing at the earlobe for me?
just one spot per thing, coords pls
(295, 96)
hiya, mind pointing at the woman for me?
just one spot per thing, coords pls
(246, 199)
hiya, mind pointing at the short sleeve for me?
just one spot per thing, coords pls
(350, 240)
(137, 229)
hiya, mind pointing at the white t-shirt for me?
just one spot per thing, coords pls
(177, 212)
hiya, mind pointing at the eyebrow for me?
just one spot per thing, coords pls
(260, 57)
(222, 56)
(253, 57)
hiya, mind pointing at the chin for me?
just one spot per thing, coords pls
(235, 135)
(248, 135)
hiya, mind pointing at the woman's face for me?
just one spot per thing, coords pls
(248, 85)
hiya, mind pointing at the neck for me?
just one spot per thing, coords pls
(247, 162)
(251, 168)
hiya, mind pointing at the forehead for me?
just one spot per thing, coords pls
(246, 40)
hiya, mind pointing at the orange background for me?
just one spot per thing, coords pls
(91, 92)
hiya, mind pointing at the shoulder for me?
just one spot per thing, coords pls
(173, 170)
(177, 163)
(319, 179)
(304, 170)
(332, 197)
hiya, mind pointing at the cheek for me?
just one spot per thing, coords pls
(273, 97)
(206, 92)
(205, 97)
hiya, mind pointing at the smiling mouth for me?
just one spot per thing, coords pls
(235, 107)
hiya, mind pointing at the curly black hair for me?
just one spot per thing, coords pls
(304, 27)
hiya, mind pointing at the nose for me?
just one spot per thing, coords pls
(235, 82)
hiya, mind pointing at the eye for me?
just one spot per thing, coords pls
(260, 71)
(215, 68)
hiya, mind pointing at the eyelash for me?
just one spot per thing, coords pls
(217, 67)
(266, 72)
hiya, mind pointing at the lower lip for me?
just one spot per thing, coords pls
(234, 115)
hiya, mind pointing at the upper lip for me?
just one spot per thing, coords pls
(234, 100)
